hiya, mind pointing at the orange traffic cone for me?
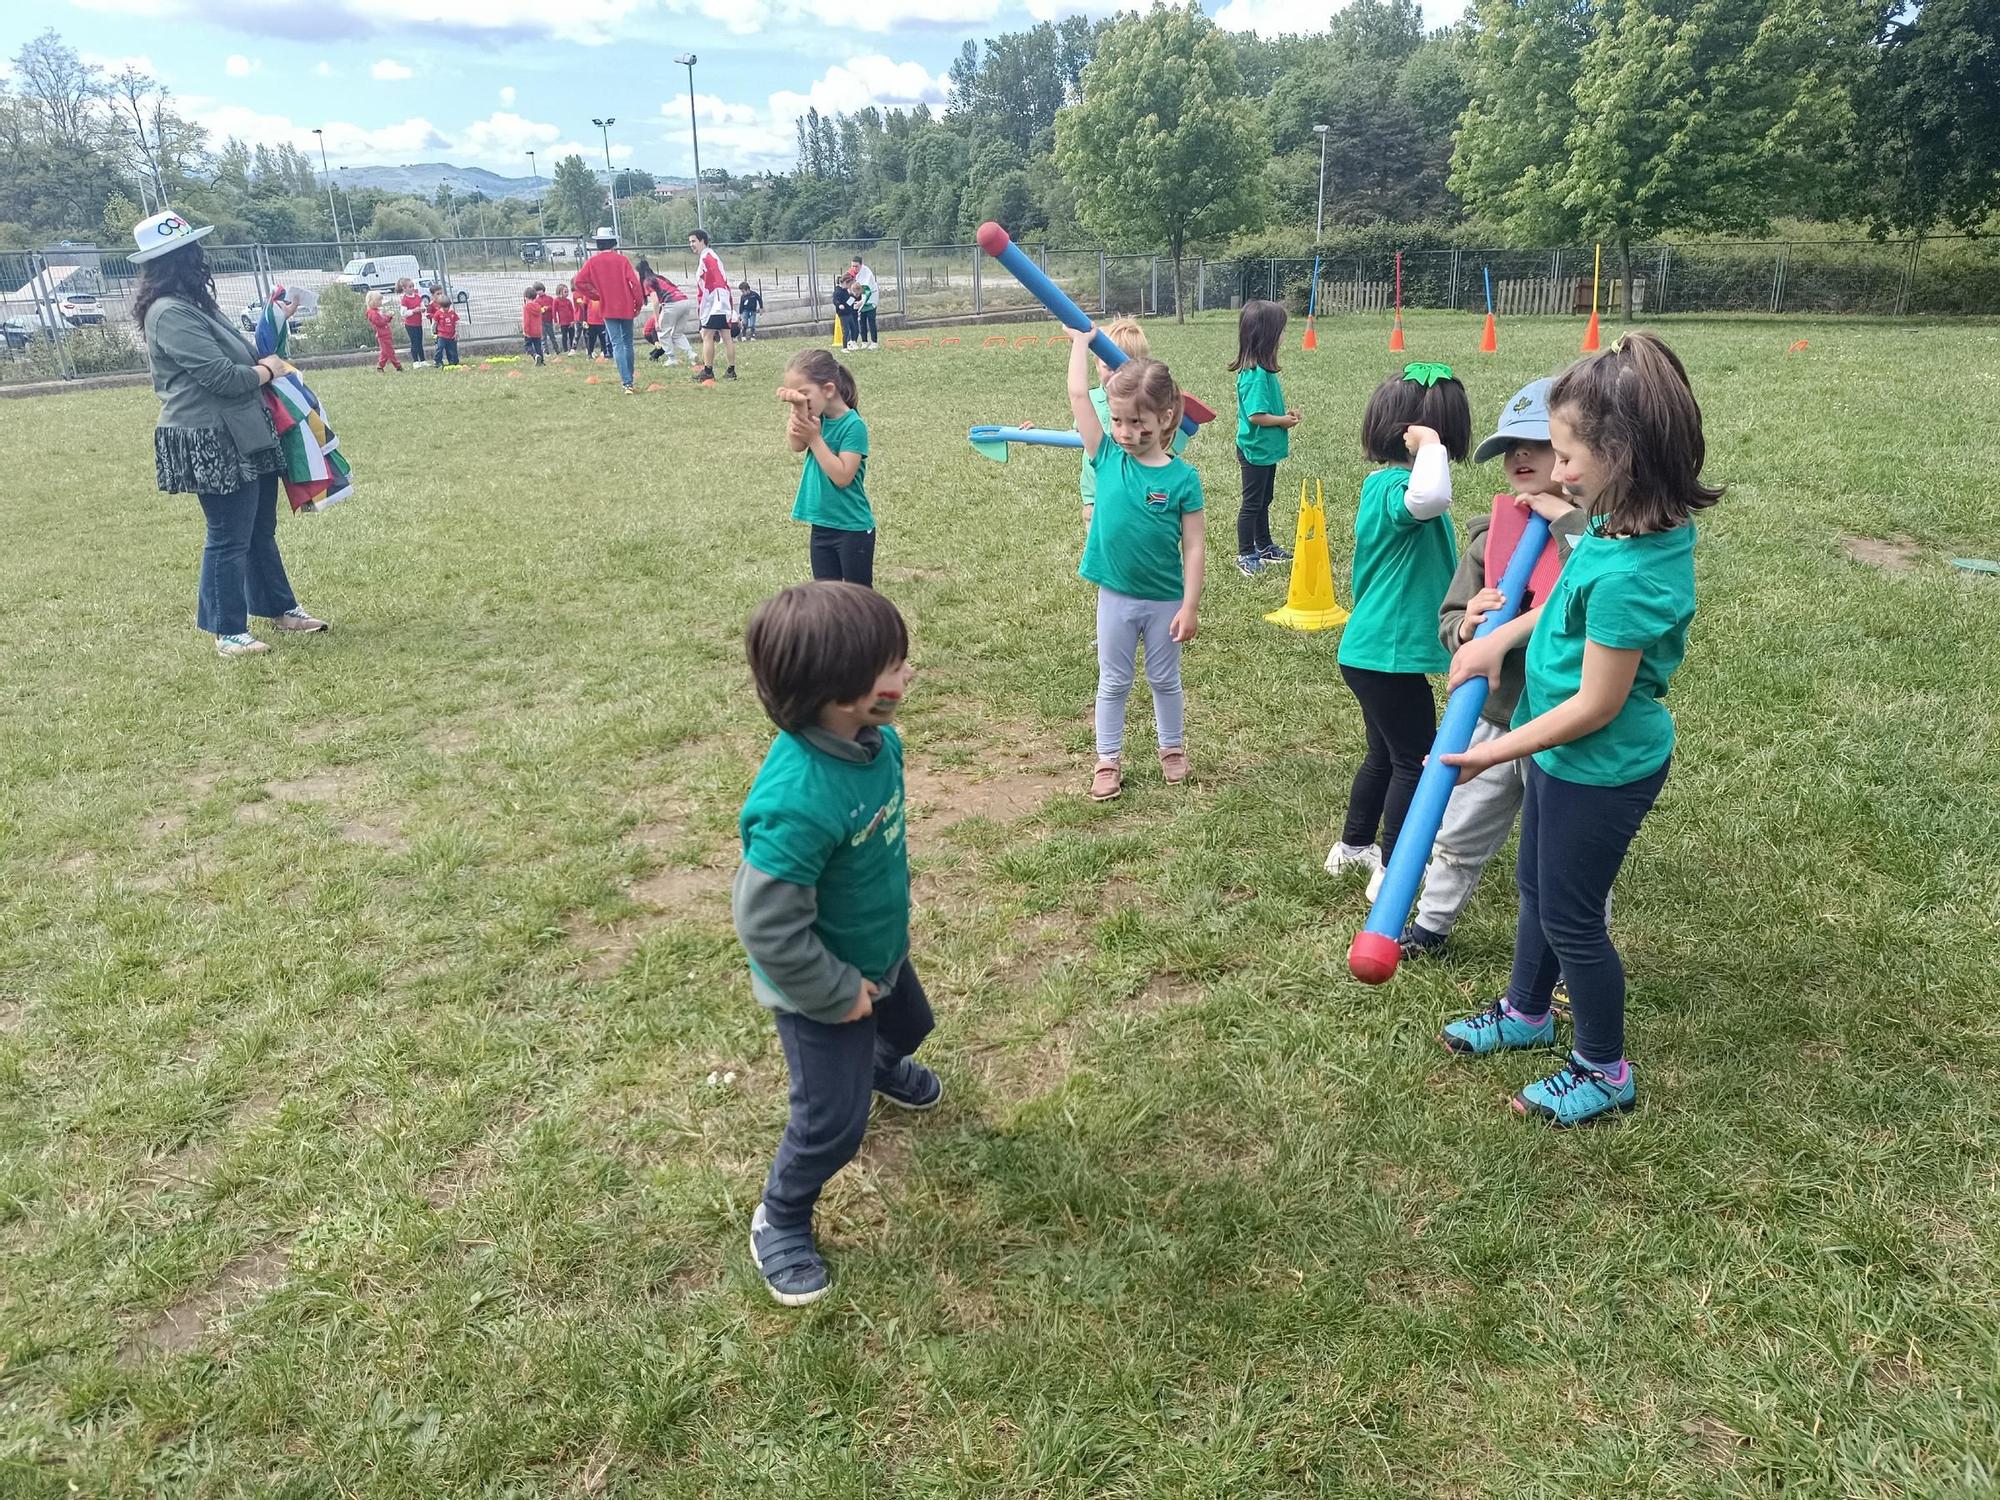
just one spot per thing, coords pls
(1311, 340)
(591, 380)
(1396, 336)
(654, 386)
(1489, 338)
(1590, 340)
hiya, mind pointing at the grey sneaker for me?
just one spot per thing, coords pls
(788, 1260)
(239, 645)
(1347, 857)
(297, 619)
(909, 1085)
(1249, 564)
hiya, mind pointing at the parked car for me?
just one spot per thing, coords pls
(17, 332)
(380, 273)
(80, 309)
(308, 308)
(533, 252)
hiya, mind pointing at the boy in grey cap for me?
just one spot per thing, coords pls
(1481, 812)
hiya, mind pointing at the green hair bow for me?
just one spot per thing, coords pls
(1426, 375)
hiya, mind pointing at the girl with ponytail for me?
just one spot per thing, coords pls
(826, 426)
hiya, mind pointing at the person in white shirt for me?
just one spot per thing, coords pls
(718, 301)
(864, 303)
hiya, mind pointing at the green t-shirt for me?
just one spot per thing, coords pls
(1087, 485)
(1631, 593)
(1402, 569)
(836, 825)
(1257, 390)
(844, 508)
(1134, 547)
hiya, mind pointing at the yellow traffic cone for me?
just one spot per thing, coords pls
(1311, 605)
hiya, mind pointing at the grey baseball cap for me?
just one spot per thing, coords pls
(1526, 420)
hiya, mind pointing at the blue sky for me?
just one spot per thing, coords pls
(482, 82)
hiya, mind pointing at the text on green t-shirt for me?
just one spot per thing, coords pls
(843, 507)
(1402, 569)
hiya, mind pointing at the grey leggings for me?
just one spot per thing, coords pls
(1122, 623)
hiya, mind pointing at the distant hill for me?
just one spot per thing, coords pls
(423, 179)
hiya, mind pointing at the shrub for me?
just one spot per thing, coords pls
(342, 322)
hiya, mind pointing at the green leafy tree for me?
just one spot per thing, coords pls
(576, 198)
(405, 219)
(1930, 152)
(1163, 145)
(120, 215)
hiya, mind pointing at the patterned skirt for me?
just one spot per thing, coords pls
(206, 461)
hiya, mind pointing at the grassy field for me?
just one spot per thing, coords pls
(382, 1101)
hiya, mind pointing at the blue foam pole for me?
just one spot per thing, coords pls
(1373, 962)
(1487, 271)
(1036, 437)
(997, 243)
(1312, 297)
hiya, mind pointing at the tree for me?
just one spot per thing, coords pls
(576, 198)
(121, 214)
(405, 219)
(1930, 152)
(1163, 144)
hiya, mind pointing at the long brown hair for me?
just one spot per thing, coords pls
(821, 368)
(1258, 330)
(1152, 385)
(1400, 403)
(181, 273)
(1632, 406)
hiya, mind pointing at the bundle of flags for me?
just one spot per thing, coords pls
(315, 472)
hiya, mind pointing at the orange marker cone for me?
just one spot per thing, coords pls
(1396, 336)
(655, 386)
(591, 380)
(1311, 340)
(1590, 340)
(1489, 338)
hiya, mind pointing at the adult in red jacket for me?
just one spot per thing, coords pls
(608, 277)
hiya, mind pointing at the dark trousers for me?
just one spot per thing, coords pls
(1573, 839)
(416, 333)
(566, 336)
(1400, 715)
(533, 346)
(1253, 520)
(846, 556)
(593, 339)
(865, 325)
(847, 333)
(834, 1068)
(241, 572)
(447, 350)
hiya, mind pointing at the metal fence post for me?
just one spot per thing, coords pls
(1908, 289)
(1660, 279)
(52, 319)
(443, 265)
(1778, 279)
(1156, 286)
(812, 281)
(1201, 283)
(902, 283)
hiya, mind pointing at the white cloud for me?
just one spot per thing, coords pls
(500, 141)
(507, 96)
(388, 70)
(710, 110)
(756, 17)
(324, 70)
(138, 62)
(746, 138)
(238, 66)
(1270, 18)
(863, 81)
(506, 136)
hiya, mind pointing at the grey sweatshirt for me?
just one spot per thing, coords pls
(774, 919)
(1469, 580)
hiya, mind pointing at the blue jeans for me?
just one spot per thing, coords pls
(833, 1068)
(619, 330)
(241, 572)
(1573, 839)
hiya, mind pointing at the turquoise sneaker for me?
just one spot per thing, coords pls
(1497, 1029)
(1577, 1095)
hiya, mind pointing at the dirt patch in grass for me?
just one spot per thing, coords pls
(179, 1328)
(377, 830)
(672, 890)
(13, 1013)
(940, 798)
(1163, 992)
(1896, 554)
(605, 949)
(322, 787)
(193, 1163)
(451, 739)
(1718, 1443)
(160, 825)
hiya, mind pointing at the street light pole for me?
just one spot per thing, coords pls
(352, 234)
(688, 60)
(327, 172)
(1319, 220)
(605, 125)
(541, 208)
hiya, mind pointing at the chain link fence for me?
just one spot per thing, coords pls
(66, 313)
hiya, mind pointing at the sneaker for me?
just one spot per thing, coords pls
(1272, 552)
(703, 375)
(910, 1085)
(1347, 856)
(297, 619)
(1375, 882)
(1576, 1095)
(629, 391)
(788, 1260)
(1106, 782)
(1174, 764)
(1249, 564)
(730, 373)
(852, 347)
(1496, 1029)
(657, 354)
(1421, 942)
(239, 645)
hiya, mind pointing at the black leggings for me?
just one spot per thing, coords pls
(844, 556)
(1253, 521)
(1401, 718)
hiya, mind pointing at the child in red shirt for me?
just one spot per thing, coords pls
(565, 317)
(444, 325)
(413, 319)
(381, 322)
(593, 328)
(548, 307)
(531, 324)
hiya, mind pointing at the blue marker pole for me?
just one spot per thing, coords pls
(997, 243)
(1487, 271)
(1373, 955)
(991, 442)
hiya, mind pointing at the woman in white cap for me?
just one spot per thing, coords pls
(214, 440)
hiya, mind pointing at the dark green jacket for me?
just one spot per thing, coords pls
(206, 375)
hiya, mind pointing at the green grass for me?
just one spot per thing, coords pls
(368, 1010)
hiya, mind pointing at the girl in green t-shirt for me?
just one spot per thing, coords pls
(1628, 444)
(1417, 425)
(826, 426)
(1263, 432)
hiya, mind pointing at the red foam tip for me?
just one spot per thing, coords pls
(1371, 957)
(993, 239)
(1195, 407)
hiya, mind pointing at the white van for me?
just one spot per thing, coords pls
(380, 273)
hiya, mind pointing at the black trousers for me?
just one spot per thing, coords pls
(845, 556)
(847, 322)
(833, 1069)
(1400, 715)
(1253, 521)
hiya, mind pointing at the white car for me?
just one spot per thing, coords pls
(80, 309)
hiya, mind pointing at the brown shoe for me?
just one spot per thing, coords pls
(298, 619)
(1174, 764)
(1105, 783)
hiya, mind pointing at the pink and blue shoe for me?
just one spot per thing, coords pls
(1578, 1094)
(1498, 1028)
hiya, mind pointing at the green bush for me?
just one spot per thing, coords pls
(342, 322)
(108, 349)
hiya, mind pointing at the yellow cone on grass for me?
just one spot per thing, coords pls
(1311, 605)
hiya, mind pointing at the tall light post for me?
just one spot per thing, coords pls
(605, 125)
(1319, 220)
(687, 60)
(327, 172)
(541, 208)
(352, 233)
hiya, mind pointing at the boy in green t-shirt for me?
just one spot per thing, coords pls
(822, 900)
